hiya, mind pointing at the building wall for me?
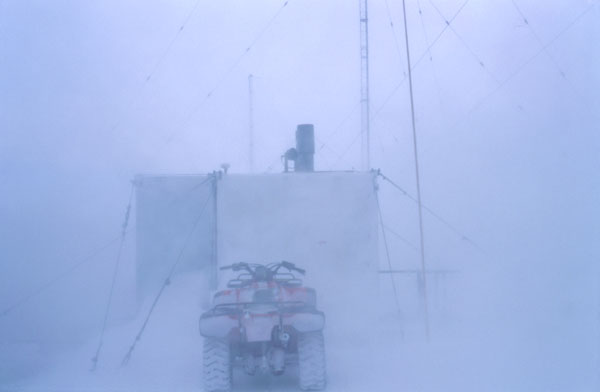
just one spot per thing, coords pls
(174, 221)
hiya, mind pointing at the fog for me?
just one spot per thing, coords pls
(507, 105)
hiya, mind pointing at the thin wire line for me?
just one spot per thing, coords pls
(516, 71)
(248, 48)
(417, 63)
(525, 63)
(397, 44)
(424, 30)
(403, 239)
(170, 46)
(435, 79)
(343, 154)
(219, 82)
(389, 262)
(326, 145)
(436, 39)
(433, 213)
(465, 44)
(341, 123)
(546, 51)
(270, 167)
(49, 283)
(397, 87)
(544, 48)
(156, 66)
(114, 279)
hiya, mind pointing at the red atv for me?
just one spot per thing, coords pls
(263, 321)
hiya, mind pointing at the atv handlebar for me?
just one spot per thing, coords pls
(289, 266)
(241, 266)
(271, 269)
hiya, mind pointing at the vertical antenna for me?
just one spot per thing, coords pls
(414, 129)
(364, 87)
(215, 237)
(250, 126)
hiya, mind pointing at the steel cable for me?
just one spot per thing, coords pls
(389, 262)
(434, 214)
(49, 283)
(114, 278)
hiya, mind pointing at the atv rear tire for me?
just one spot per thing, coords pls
(216, 365)
(311, 361)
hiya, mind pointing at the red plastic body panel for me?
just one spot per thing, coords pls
(281, 294)
(238, 312)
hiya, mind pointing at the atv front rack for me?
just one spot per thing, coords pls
(283, 278)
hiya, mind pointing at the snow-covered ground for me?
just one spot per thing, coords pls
(465, 353)
(169, 356)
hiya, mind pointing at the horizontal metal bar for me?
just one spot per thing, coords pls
(417, 271)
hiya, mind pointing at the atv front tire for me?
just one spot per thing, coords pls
(216, 365)
(311, 361)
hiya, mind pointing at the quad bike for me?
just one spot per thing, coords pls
(263, 321)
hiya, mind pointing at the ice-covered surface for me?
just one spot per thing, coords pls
(169, 355)
(477, 349)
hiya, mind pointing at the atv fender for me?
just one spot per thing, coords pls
(213, 326)
(310, 321)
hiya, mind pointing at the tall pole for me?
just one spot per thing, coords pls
(215, 238)
(414, 131)
(250, 125)
(364, 87)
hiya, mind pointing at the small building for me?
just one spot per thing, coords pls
(325, 222)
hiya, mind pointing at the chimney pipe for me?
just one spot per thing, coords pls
(305, 147)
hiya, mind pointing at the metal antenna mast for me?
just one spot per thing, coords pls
(420, 205)
(250, 125)
(364, 87)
